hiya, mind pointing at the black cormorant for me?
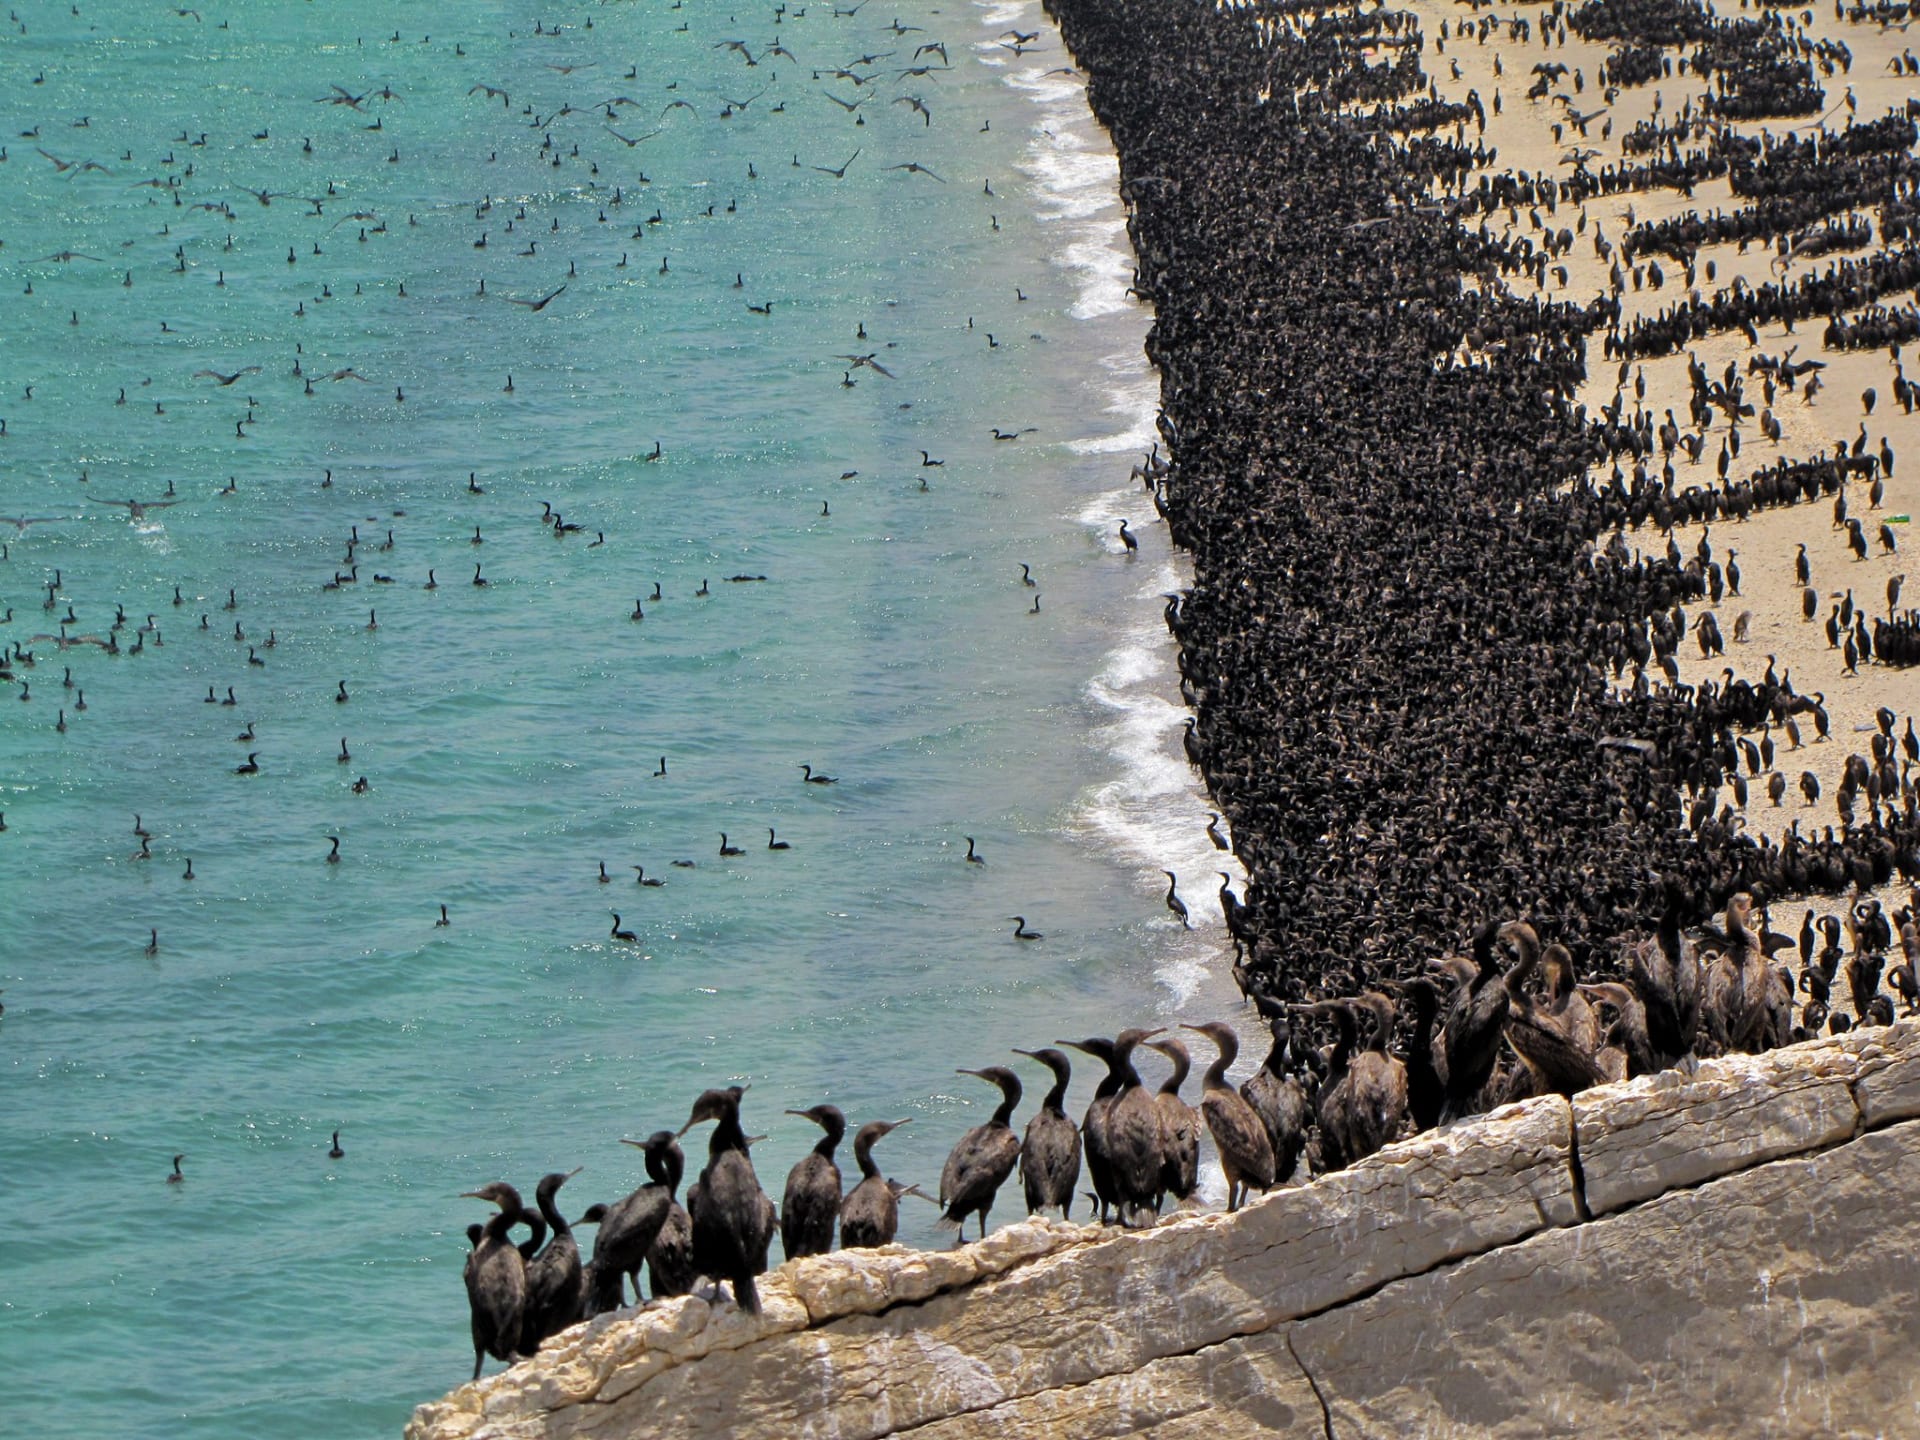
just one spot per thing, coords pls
(1050, 1152)
(980, 1164)
(811, 1202)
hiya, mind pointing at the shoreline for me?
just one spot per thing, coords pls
(1387, 467)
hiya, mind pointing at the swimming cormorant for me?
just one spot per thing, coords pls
(974, 857)
(176, 1177)
(811, 1202)
(980, 1164)
(336, 1153)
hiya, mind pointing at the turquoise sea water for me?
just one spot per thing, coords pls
(509, 734)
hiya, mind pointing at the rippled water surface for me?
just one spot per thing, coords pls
(181, 198)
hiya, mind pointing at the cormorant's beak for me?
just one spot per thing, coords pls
(637, 1144)
(474, 1195)
(802, 1114)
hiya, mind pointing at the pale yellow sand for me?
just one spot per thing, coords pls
(1765, 543)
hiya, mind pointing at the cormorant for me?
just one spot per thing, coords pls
(1240, 1137)
(1174, 902)
(627, 1230)
(1278, 1095)
(670, 1258)
(555, 1292)
(811, 1202)
(1050, 1152)
(732, 1217)
(496, 1277)
(980, 1164)
(870, 1215)
(1470, 1036)
(1179, 1126)
(1129, 1129)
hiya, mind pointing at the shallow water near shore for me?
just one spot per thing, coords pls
(509, 734)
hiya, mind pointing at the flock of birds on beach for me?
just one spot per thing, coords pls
(1434, 676)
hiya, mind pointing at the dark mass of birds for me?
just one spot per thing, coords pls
(1432, 681)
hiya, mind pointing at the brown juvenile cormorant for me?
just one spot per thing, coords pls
(1629, 1050)
(1279, 1095)
(870, 1215)
(1541, 1039)
(1129, 1130)
(1179, 1126)
(554, 1276)
(1734, 1006)
(982, 1161)
(1246, 1152)
(811, 1202)
(496, 1277)
(1666, 975)
(1050, 1152)
(732, 1217)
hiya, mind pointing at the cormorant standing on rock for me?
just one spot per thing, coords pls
(554, 1285)
(670, 1258)
(1470, 1037)
(732, 1217)
(1179, 1126)
(1130, 1129)
(982, 1161)
(1278, 1095)
(1050, 1152)
(811, 1202)
(496, 1277)
(627, 1231)
(1246, 1153)
(870, 1215)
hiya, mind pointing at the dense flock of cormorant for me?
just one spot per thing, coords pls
(1436, 685)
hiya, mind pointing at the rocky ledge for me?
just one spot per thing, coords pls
(1731, 1252)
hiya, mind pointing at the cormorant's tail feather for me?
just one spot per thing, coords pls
(745, 1295)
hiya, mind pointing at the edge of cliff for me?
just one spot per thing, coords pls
(1641, 1240)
